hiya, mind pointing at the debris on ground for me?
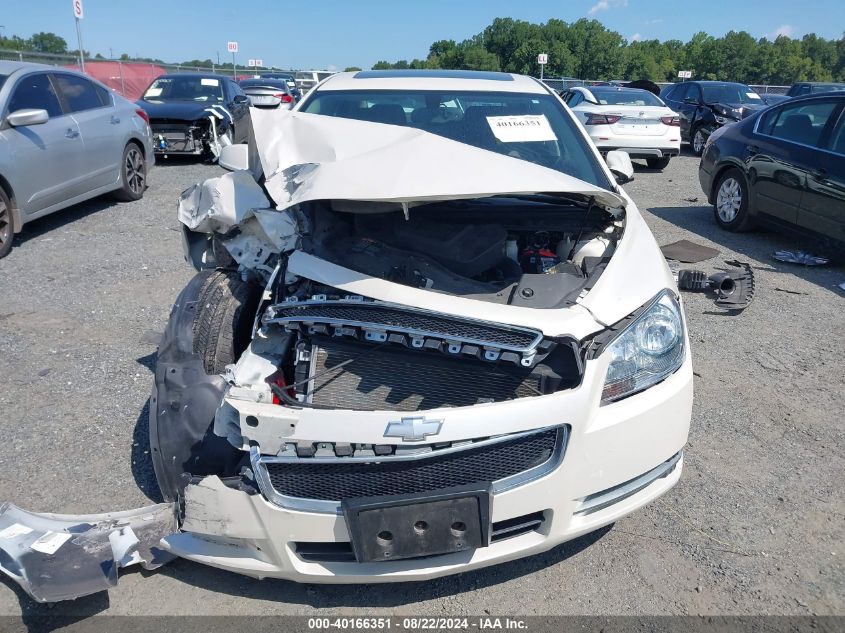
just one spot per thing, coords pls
(733, 288)
(688, 252)
(692, 199)
(800, 257)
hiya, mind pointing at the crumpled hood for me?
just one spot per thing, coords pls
(309, 157)
(745, 109)
(186, 110)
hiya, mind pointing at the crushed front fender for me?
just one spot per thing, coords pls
(61, 557)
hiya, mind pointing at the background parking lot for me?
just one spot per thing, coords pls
(754, 526)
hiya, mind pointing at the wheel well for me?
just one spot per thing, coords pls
(17, 223)
(134, 141)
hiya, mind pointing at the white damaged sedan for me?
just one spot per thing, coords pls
(428, 333)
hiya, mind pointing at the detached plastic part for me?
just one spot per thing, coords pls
(733, 288)
(61, 557)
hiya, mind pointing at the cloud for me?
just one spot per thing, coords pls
(606, 5)
(654, 21)
(783, 29)
(636, 37)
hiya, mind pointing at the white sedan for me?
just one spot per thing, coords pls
(628, 119)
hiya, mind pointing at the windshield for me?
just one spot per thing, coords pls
(729, 93)
(205, 89)
(625, 96)
(531, 127)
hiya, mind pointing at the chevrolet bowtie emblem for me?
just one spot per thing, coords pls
(413, 429)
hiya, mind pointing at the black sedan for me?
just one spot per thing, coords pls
(195, 113)
(704, 106)
(783, 167)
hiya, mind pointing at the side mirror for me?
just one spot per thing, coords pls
(240, 99)
(236, 157)
(620, 166)
(29, 116)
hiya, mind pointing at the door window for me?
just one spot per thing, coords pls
(800, 123)
(79, 93)
(104, 94)
(680, 93)
(575, 98)
(35, 91)
(837, 141)
(694, 93)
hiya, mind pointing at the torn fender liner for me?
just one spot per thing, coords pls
(60, 557)
(183, 403)
(308, 157)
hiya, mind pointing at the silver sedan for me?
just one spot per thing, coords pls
(64, 138)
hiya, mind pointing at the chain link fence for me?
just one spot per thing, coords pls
(72, 61)
(569, 82)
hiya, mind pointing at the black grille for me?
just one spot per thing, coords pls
(404, 380)
(334, 480)
(392, 318)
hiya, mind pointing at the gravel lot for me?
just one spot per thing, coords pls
(755, 525)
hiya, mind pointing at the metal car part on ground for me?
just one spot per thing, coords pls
(733, 289)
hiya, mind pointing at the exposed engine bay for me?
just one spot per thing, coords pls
(322, 347)
(536, 253)
(204, 136)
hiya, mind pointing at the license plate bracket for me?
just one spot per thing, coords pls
(409, 526)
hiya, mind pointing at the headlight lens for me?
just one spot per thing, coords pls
(648, 350)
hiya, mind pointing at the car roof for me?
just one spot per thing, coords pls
(714, 83)
(252, 81)
(835, 94)
(194, 75)
(413, 79)
(9, 67)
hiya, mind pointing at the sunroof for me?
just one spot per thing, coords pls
(435, 74)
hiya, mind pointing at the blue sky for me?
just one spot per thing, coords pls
(338, 33)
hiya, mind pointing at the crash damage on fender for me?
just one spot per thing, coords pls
(422, 369)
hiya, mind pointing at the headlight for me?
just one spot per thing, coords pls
(647, 351)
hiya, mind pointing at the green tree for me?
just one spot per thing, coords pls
(48, 43)
(350, 69)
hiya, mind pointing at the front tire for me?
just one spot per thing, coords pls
(133, 174)
(730, 205)
(699, 139)
(7, 231)
(658, 163)
(209, 327)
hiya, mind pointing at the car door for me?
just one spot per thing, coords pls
(44, 157)
(238, 105)
(99, 124)
(784, 153)
(691, 107)
(822, 208)
(675, 99)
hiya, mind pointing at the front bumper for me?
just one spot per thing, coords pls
(618, 458)
(640, 146)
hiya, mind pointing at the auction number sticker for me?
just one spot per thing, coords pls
(209, 82)
(521, 128)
